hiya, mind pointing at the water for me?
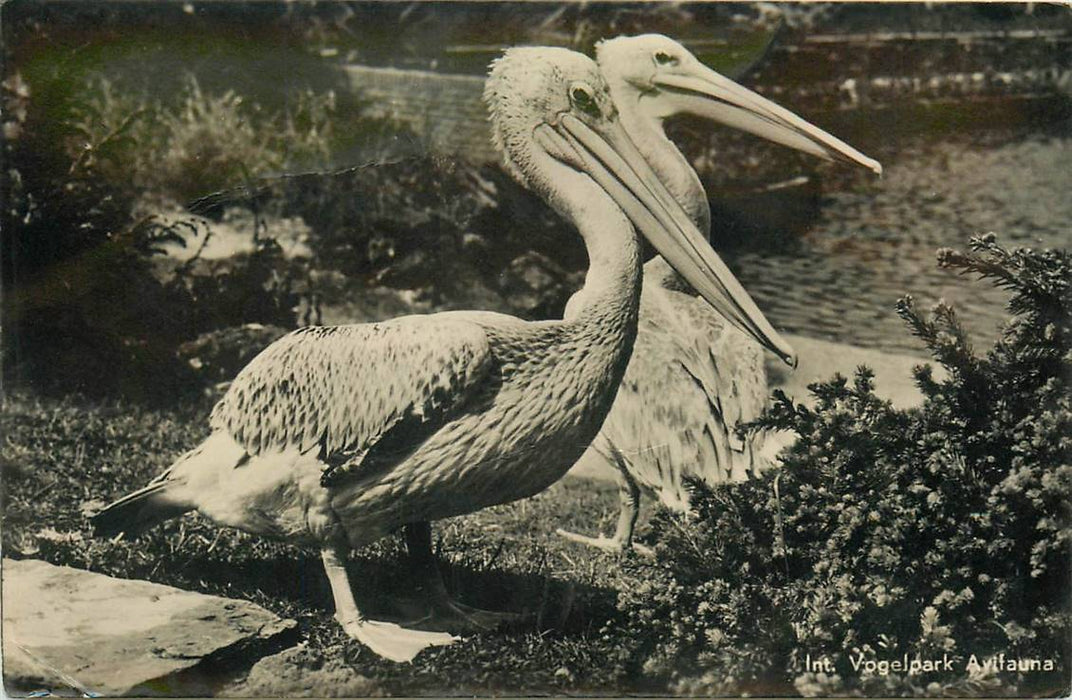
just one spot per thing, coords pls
(873, 242)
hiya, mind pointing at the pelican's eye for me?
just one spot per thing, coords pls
(582, 98)
(662, 58)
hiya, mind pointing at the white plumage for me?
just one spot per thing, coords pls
(334, 437)
(693, 377)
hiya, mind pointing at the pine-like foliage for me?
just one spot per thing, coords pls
(940, 532)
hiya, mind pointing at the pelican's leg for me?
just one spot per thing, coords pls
(445, 609)
(629, 509)
(384, 638)
(629, 502)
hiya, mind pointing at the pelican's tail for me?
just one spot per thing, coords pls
(137, 512)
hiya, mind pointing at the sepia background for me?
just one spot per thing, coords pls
(338, 161)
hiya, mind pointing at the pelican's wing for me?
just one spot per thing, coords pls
(343, 390)
(692, 378)
(728, 367)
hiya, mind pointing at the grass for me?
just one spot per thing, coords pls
(64, 457)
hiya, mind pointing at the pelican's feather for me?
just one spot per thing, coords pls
(343, 389)
(728, 367)
(691, 380)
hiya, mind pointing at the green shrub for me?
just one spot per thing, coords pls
(936, 532)
(89, 303)
(111, 321)
(197, 142)
(73, 266)
(210, 140)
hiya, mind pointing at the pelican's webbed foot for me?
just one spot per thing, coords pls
(629, 510)
(392, 641)
(384, 638)
(614, 545)
(446, 612)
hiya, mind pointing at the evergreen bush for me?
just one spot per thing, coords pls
(936, 533)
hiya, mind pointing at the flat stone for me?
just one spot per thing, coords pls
(73, 632)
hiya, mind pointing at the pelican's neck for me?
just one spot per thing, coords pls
(611, 288)
(645, 126)
(648, 132)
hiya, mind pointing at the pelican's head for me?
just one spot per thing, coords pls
(553, 118)
(531, 91)
(658, 76)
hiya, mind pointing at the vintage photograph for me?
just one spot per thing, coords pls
(410, 348)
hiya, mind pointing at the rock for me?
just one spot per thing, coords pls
(74, 632)
(300, 673)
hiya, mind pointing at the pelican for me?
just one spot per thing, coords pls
(336, 436)
(692, 377)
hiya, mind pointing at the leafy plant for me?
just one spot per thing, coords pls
(196, 143)
(90, 303)
(936, 533)
(444, 229)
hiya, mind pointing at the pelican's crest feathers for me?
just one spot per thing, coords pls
(634, 45)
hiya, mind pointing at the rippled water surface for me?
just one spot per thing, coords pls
(875, 240)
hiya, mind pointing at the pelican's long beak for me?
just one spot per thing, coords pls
(701, 91)
(611, 158)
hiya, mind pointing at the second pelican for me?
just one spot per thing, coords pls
(692, 377)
